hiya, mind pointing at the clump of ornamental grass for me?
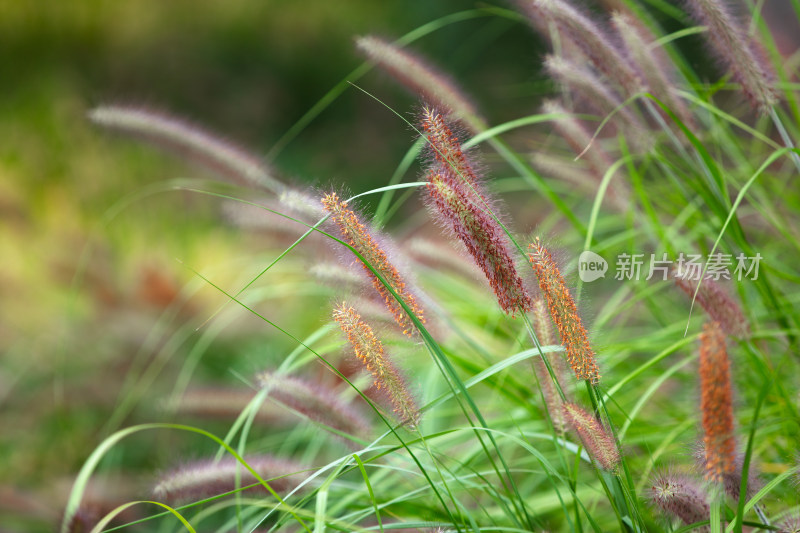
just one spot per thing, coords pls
(564, 312)
(369, 349)
(738, 51)
(679, 496)
(315, 401)
(714, 300)
(597, 440)
(716, 404)
(207, 478)
(355, 233)
(456, 199)
(422, 79)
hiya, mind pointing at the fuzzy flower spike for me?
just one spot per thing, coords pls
(355, 233)
(738, 51)
(455, 196)
(369, 349)
(565, 313)
(716, 404)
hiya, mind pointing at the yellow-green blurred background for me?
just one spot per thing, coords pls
(92, 256)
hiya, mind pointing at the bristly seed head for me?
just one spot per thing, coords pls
(463, 212)
(714, 301)
(599, 443)
(679, 495)
(314, 400)
(445, 146)
(204, 479)
(355, 233)
(740, 52)
(716, 404)
(421, 78)
(190, 141)
(455, 196)
(565, 313)
(590, 39)
(544, 333)
(732, 481)
(370, 351)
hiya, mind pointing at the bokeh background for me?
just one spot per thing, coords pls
(94, 252)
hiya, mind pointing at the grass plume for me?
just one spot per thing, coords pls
(716, 404)
(186, 140)
(421, 78)
(370, 351)
(739, 52)
(454, 198)
(580, 355)
(680, 496)
(599, 443)
(206, 478)
(355, 232)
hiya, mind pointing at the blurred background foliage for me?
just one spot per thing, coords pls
(88, 265)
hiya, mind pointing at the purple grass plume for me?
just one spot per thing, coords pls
(592, 41)
(458, 202)
(422, 79)
(315, 401)
(598, 441)
(738, 51)
(207, 478)
(194, 143)
(679, 496)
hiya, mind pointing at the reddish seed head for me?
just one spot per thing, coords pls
(714, 301)
(370, 351)
(679, 495)
(445, 146)
(355, 233)
(454, 194)
(732, 481)
(598, 442)
(738, 50)
(464, 213)
(716, 404)
(565, 313)
(544, 333)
